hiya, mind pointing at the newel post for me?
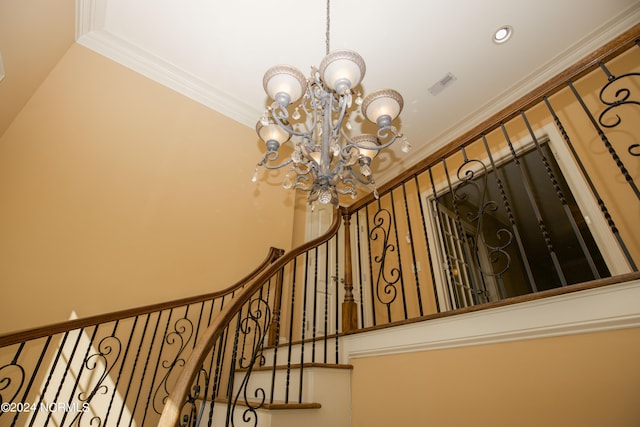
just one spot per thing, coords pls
(349, 307)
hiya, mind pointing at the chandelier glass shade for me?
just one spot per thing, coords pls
(314, 113)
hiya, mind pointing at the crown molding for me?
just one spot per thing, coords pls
(90, 33)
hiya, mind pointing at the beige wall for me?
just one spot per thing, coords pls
(117, 192)
(34, 35)
(586, 380)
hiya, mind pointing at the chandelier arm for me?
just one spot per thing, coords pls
(300, 185)
(281, 118)
(343, 102)
(272, 156)
(360, 179)
(383, 133)
(349, 186)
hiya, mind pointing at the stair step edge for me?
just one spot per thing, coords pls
(275, 406)
(298, 366)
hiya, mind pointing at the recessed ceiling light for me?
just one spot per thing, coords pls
(502, 34)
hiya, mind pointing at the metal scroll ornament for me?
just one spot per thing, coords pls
(497, 255)
(255, 323)
(11, 381)
(108, 354)
(178, 338)
(621, 96)
(386, 291)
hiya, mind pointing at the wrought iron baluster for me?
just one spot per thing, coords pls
(413, 251)
(133, 371)
(336, 308)
(326, 300)
(563, 201)
(218, 353)
(454, 301)
(124, 358)
(592, 187)
(144, 371)
(108, 352)
(464, 247)
(68, 366)
(33, 376)
(294, 275)
(257, 311)
(50, 375)
(507, 206)
(276, 323)
(536, 210)
(394, 222)
(315, 305)
(231, 403)
(621, 98)
(427, 247)
(360, 273)
(157, 364)
(11, 373)
(195, 335)
(304, 322)
(371, 286)
(386, 278)
(603, 137)
(179, 338)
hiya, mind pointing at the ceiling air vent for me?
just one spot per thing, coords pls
(443, 83)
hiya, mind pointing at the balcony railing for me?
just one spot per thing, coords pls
(542, 196)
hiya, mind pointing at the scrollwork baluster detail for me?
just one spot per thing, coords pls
(107, 355)
(192, 413)
(256, 321)
(621, 96)
(497, 254)
(180, 335)
(388, 276)
(12, 376)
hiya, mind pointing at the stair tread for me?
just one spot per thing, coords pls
(275, 405)
(298, 366)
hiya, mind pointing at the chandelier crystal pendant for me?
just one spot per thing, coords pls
(315, 113)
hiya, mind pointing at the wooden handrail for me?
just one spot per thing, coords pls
(56, 328)
(619, 44)
(171, 412)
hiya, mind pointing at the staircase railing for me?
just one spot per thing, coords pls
(522, 205)
(210, 388)
(542, 198)
(112, 369)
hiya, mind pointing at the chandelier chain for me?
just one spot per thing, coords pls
(328, 29)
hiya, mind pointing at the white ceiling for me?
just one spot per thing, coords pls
(217, 52)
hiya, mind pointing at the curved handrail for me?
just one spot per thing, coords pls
(69, 325)
(172, 408)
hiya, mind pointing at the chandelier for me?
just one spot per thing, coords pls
(315, 114)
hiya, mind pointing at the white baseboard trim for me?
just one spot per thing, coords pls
(594, 310)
